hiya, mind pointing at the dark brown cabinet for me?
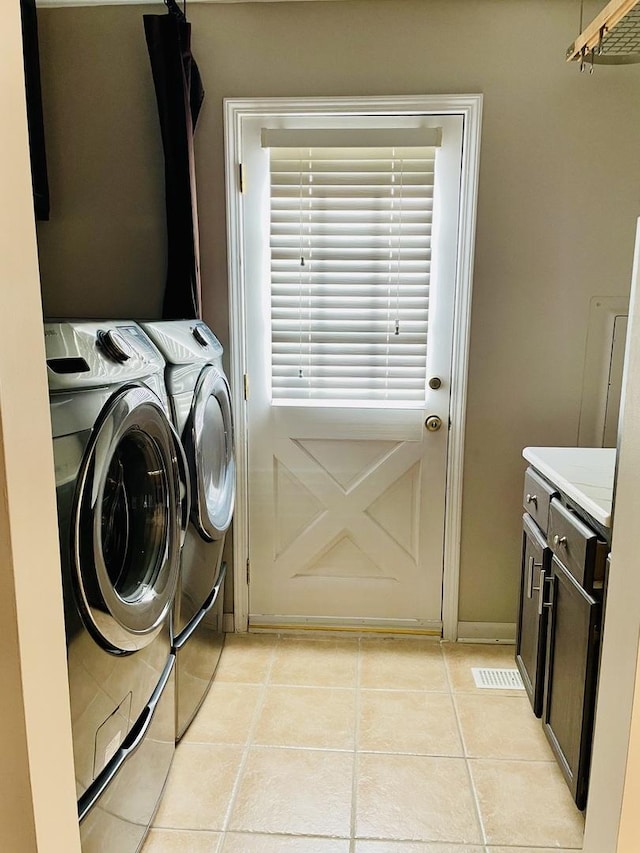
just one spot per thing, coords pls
(531, 641)
(573, 642)
(559, 624)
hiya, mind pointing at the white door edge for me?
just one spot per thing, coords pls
(470, 107)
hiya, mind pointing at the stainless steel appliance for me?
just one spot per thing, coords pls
(123, 495)
(201, 405)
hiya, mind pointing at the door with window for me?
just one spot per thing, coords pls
(350, 250)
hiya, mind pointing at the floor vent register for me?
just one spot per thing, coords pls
(497, 679)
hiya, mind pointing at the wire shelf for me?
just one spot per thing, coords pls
(624, 38)
(613, 37)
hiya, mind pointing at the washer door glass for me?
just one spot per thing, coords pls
(127, 522)
(133, 514)
(211, 455)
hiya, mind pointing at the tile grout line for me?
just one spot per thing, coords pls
(474, 793)
(356, 734)
(282, 685)
(247, 747)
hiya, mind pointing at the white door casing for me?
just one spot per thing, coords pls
(332, 497)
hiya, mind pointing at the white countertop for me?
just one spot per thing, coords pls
(584, 474)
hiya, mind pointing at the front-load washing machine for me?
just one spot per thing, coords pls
(123, 493)
(201, 405)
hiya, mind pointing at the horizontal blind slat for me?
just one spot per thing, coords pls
(381, 245)
(348, 296)
(374, 205)
(348, 396)
(350, 228)
(350, 279)
(358, 219)
(331, 382)
(340, 338)
(328, 308)
(385, 249)
(350, 162)
(381, 270)
(350, 350)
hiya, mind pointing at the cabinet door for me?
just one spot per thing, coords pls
(570, 682)
(532, 616)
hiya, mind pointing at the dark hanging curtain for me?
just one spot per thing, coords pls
(35, 119)
(179, 94)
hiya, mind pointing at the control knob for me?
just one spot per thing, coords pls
(200, 336)
(114, 345)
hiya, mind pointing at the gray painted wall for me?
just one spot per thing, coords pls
(559, 195)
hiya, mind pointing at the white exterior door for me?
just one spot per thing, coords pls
(346, 498)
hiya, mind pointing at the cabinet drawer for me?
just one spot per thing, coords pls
(577, 546)
(537, 497)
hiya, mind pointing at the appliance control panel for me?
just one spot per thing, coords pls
(185, 341)
(96, 353)
(140, 342)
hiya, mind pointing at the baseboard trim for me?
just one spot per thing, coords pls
(228, 623)
(487, 632)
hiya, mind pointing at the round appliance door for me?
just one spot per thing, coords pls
(210, 451)
(128, 519)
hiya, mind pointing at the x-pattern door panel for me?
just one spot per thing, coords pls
(340, 524)
(345, 508)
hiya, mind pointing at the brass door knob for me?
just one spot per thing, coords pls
(433, 423)
(435, 382)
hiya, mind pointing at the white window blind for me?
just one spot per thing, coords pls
(350, 269)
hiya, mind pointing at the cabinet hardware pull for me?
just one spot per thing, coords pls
(532, 499)
(560, 541)
(530, 587)
(541, 593)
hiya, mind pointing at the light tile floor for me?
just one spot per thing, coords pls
(363, 746)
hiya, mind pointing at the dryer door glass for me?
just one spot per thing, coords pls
(127, 522)
(211, 456)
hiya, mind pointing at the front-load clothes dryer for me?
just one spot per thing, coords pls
(122, 490)
(201, 405)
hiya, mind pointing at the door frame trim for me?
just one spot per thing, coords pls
(470, 107)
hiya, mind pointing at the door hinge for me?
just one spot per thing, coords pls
(241, 177)
(248, 571)
(245, 385)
